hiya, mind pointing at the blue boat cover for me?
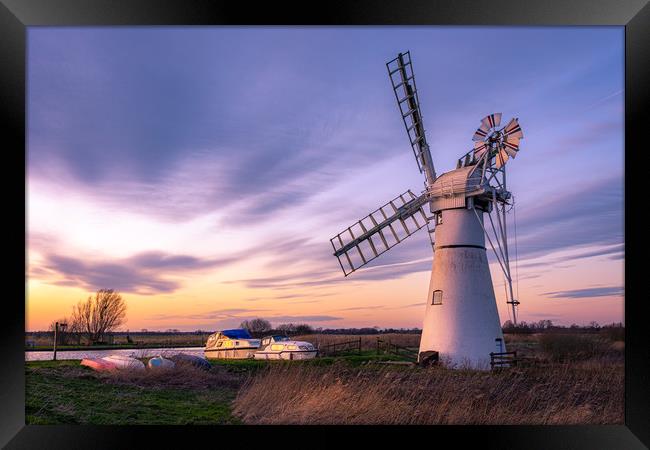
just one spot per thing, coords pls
(238, 333)
(196, 361)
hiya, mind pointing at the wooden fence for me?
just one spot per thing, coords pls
(353, 346)
(503, 359)
(394, 349)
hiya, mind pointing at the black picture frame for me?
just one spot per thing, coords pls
(634, 15)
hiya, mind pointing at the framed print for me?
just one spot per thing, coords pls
(362, 217)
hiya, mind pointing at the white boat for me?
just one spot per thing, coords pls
(158, 362)
(282, 347)
(124, 362)
(231, 344)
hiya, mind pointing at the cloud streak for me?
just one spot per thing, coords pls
(587, 293)
(146, 273)
(586, 216)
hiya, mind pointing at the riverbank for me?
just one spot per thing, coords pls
(567, 380)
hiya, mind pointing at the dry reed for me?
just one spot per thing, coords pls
(584, 392)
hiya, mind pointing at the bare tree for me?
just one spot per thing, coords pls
(75, 329)
(100, 314)
(256, 327)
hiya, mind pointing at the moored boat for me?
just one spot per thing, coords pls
(231, 344)
(282, 347)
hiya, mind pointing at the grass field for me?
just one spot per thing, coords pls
(65, 392)
(570, 380)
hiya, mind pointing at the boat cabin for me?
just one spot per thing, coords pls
(282, 347)
(231, 344)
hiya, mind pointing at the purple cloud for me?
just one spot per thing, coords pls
(145, 273)
(587, 293)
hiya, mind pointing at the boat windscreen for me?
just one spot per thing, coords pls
(280, 338)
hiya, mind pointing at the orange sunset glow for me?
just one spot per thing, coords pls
(204, 183)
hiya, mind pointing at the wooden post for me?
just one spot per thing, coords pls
(359, 345)
(56, 329)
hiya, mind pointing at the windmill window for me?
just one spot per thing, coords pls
(437, 297)
(439, 219)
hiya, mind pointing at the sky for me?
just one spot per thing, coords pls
(201, 171)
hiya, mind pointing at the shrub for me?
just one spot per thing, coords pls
(564, 347)
(613, 333)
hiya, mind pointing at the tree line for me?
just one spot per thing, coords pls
(547, 326)
(259, 327)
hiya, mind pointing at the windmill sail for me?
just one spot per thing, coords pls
(400, 72)
(379, 231)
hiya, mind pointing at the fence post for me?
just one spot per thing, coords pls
(359, 345)
(56, 328)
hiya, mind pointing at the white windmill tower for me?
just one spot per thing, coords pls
(461, 321)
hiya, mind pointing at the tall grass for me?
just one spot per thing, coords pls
(570, 393)
(563, 347)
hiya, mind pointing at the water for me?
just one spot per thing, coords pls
(138, 353)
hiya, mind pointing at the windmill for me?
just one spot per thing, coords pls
(461, 320)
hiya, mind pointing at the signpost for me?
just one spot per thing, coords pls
(56, 329)
(63, 326)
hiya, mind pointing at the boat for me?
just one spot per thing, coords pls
(98, 364)
(196, 361)
(282, 347)
(231, 344)
(158, 362)
(125, 362)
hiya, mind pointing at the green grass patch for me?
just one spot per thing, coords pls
(353, 359)
(63, 392)
(50, 363)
